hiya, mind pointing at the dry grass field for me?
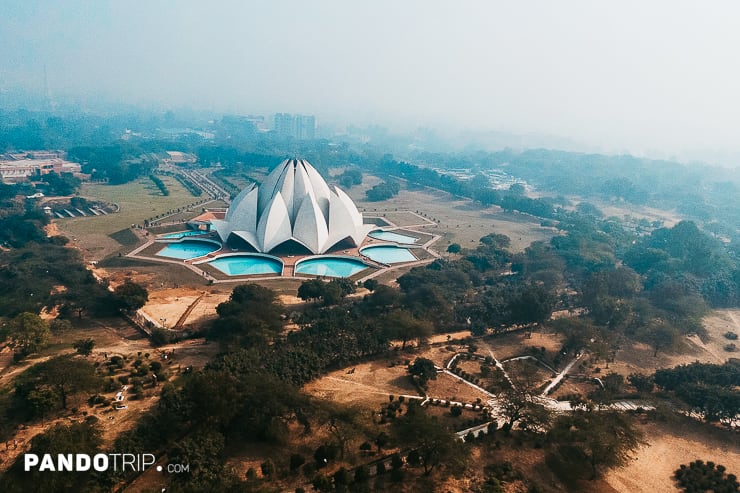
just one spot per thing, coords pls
(368, 386)
(639, 357)
(669, 446)
(628, 211)
(458, 220)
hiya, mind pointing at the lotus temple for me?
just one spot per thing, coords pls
(293, 224)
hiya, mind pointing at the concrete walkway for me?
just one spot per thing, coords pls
(561, 375)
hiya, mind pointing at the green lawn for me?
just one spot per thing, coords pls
(138, 200)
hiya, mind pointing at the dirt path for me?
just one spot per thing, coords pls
(361, 387)
(698, 342)
(734, 320)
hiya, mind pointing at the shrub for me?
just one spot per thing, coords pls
(362, 474)
(161, 336)
(398, 475)
(268, 468)
(700, 476)
(296, 461)
(309, 469)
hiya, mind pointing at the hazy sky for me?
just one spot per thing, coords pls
(639, 75)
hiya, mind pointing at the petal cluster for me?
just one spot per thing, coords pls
(293, 203)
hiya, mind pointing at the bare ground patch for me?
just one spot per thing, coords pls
(453, 389)
(517, 344)
(368, 385)
(668, 447)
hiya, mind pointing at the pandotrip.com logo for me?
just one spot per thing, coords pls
(86, 462)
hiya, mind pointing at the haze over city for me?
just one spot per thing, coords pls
(646, 78)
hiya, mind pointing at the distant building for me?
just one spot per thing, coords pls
(20, 166)
(255, 122)
(301, 127)
(177, 157)
(17, 156)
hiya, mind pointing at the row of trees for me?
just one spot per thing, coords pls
(710, 388)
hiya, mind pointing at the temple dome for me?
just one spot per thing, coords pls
(294, 203)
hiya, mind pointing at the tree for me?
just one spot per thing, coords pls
(332, 294)
(383, 298)
(362, 474)
(454, 248)
(708, 387)
(59, 325)
(251, 317)
(531, 304)
(79, 438)
(312, 289)
(130, 296)
(602, 438)
(382, 440)
(203, 451)
(65, 375)
(268, 468)
(430, 439)
(659, 334)
(29, 332)
(84, 346)
(325, 453)
(42, 401)
(404, 326)
(296, 461)
(641, 383)
(370, 284)
(611, 385)
(517, 406)
(517, 189)
(424, 370)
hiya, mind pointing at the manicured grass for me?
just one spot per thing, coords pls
(138, 200)
(125, 237)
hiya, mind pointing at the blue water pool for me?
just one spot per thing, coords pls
(188, 249)
(330, 266)
(245, 265)
(388, 254)
(182, 234)
(391, 236)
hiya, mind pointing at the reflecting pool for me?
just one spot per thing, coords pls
(182, 234)
(330, 266)
(388, 254)
(188, 249)
(391, 236)
(245, 265)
